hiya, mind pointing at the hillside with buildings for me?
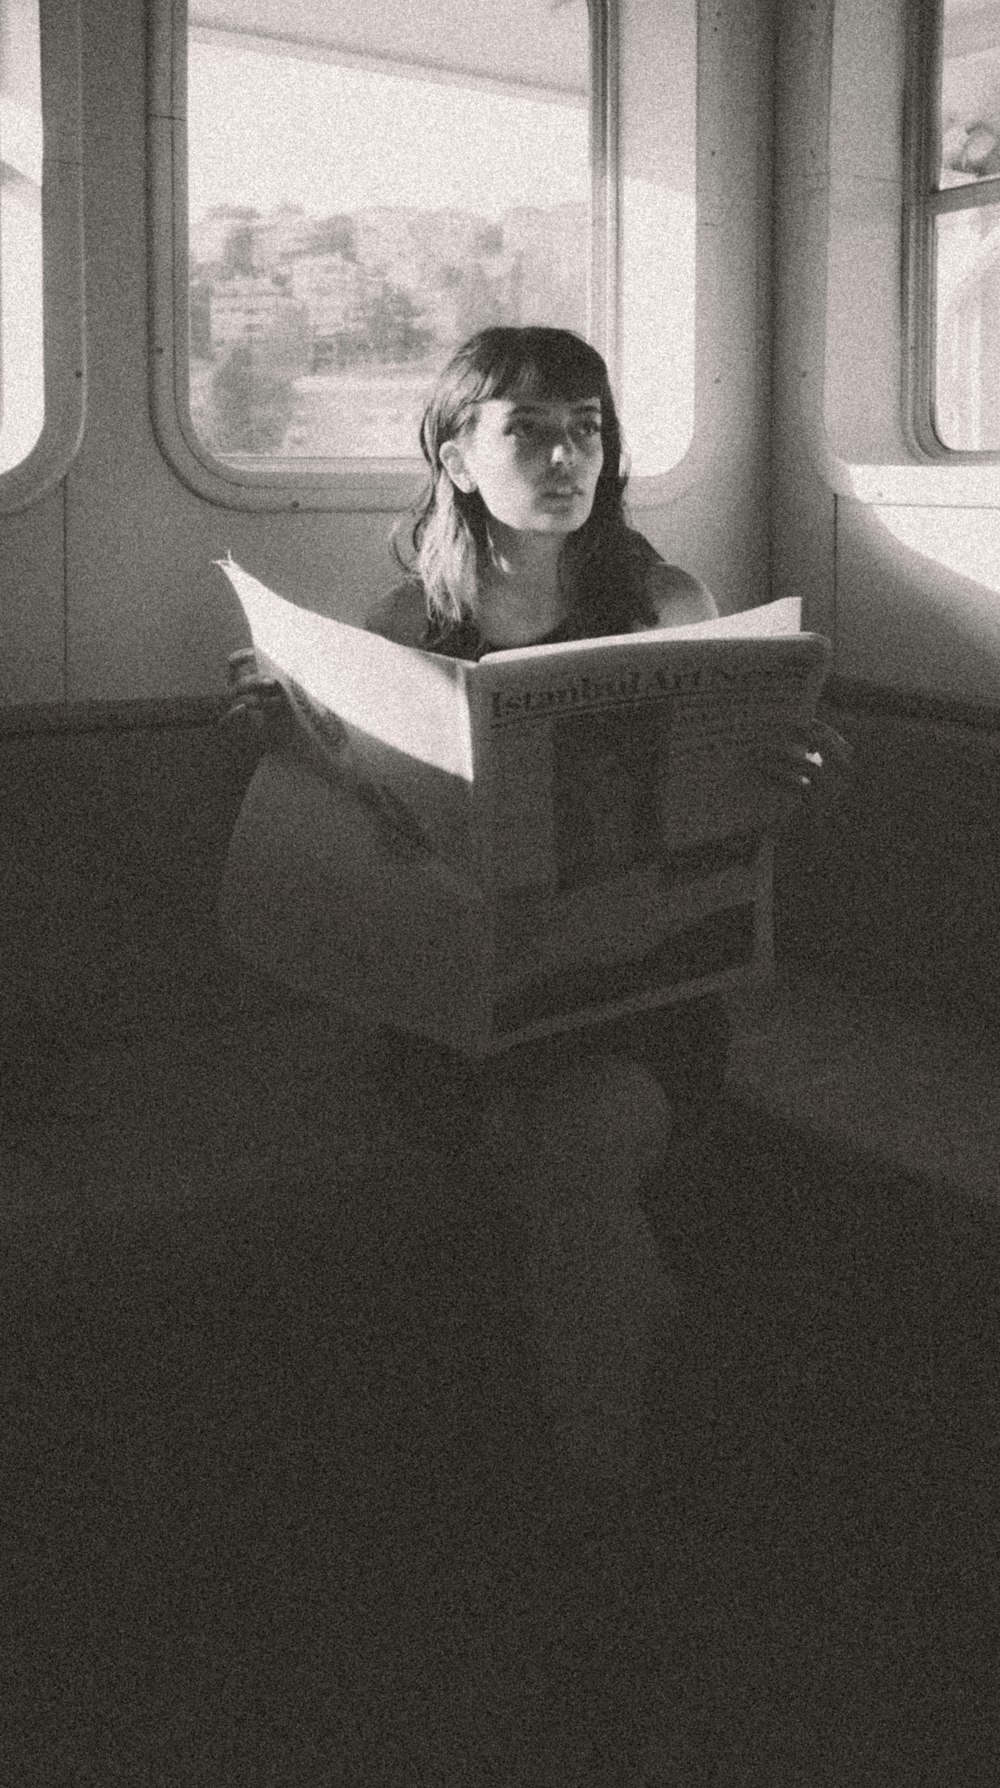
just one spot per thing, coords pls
(282, 299)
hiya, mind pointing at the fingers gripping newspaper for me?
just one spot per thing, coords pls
(487, 852)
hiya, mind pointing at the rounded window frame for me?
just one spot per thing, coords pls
(923, 204)
(376, 485)
(851, 219)
(370, 484)
(63, 291)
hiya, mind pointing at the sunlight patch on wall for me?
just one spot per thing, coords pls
(965, 541)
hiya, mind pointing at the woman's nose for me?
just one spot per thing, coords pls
(562, 448)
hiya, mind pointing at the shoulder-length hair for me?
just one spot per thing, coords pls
(603, 561)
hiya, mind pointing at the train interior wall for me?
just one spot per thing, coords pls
(194, 1246)
(119, 786)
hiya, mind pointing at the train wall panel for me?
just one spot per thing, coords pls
(32, 602)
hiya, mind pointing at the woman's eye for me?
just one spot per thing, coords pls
(584, 430)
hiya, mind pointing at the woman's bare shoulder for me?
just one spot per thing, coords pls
(401, 616)
(677, 596)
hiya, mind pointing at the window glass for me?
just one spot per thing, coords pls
(366, 187)
(967, 405)
(965, 220)
(656, 229)
(22, 373)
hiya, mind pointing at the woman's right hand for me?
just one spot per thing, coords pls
(257, 704)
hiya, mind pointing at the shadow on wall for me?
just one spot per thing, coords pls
(114, 846)
(897, 888)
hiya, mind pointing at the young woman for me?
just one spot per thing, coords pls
(522, 538)
(539, 1161)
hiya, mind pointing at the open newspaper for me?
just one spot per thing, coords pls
(487, 852)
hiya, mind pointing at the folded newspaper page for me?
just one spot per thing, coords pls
(488, 852)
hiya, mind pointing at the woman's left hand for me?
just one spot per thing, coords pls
(812, 762)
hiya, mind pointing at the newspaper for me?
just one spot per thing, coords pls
(487, 852)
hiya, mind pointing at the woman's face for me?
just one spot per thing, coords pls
(535, 465)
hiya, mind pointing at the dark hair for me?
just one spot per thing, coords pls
(602, 562)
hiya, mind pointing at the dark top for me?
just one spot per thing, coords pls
(667, 596)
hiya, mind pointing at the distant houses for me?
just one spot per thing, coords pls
(244, 307)
(386, 285)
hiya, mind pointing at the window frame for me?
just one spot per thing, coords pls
(924, 203)
(63, 350)
(366, 485)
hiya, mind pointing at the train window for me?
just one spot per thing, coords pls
(351, 193)
(957, 216)
(41, 303)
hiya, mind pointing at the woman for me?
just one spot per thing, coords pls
(544, 1154)
(521, 538)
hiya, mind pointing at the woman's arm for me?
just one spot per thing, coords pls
(677, 597)
(401, 616)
